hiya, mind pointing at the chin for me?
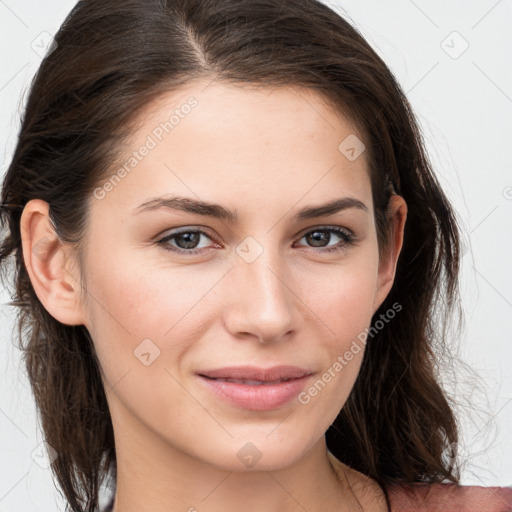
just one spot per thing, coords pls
(260, 454)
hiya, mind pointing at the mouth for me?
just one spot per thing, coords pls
(256, 389)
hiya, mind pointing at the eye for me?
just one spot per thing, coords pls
(322, 235)
(186, 241)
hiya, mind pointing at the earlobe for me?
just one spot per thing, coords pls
(47, 259)
(397, 215)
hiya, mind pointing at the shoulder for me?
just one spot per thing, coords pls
(448, 498)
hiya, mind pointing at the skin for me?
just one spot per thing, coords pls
(266, 153)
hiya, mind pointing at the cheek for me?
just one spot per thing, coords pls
(345, 304)
(140, 311)
(144, 321)
(343, 297)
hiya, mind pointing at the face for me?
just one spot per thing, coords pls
(173, 294)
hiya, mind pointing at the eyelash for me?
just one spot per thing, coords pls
(348, 240)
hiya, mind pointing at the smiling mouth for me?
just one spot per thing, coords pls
(256, 395)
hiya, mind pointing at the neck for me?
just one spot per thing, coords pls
(149, 478)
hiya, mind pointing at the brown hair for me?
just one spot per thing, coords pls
(111, 60)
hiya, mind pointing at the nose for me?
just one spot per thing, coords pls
(263, 304)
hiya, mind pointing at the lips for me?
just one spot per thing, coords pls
(257, 389)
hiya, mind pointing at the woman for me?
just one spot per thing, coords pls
(229, 248)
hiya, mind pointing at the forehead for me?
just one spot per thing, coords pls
(229, 140)
(258, 109)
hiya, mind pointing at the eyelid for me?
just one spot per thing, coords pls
(187, 229)
(325, 227)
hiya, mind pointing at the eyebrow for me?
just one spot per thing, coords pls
(197, 207)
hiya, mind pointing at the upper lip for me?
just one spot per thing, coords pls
(255, 373)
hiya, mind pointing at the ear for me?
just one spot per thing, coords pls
(397, 215)
(49, 265)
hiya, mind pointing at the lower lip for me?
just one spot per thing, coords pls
(257, 398)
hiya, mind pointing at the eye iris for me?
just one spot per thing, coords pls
(318, 236)
(191, 240)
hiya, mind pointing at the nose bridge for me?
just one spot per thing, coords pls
(263, 302)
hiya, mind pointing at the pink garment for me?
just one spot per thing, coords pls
(449, 498)
(440, 498)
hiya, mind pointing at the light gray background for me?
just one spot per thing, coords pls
(463, 100)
